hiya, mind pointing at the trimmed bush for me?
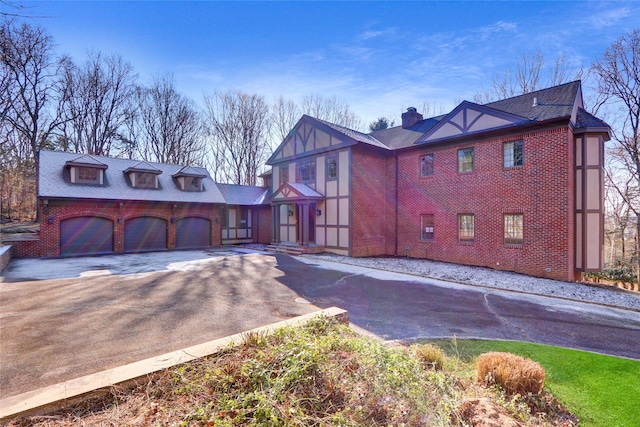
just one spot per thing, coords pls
(515, 374)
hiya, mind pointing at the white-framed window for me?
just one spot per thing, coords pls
(426, 165)
(514, 229)
(427, 227)
(466, 227)
(465, 160)
(513, 154)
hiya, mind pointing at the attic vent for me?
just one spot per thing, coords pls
(535, 101)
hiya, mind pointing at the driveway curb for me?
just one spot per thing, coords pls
(57, 395)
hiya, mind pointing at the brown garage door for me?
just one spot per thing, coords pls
(86, 236)
(193, 232)
(145, 234)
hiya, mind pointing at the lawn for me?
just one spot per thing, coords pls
(601, 390)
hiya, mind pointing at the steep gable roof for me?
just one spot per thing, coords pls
(469, 118)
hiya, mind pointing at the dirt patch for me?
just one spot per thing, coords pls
(484, 413)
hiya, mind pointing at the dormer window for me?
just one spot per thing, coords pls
(189, 179)
(86, 169)
(143, 175)
(86, 175)
(145, 180)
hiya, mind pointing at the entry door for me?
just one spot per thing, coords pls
(312, 223)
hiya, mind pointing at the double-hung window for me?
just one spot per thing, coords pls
(465, 160)
(426, 165)
(513, 229)
(427, 226)
(307, 171)
(513, 154)
(466, 227)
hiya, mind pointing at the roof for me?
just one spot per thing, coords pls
(86, 160)
(244, 195)
(557, 102)
(551, 103)
(55, 181)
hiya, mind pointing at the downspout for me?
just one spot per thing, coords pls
(396, 207)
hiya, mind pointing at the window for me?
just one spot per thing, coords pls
(426, 224)
(307, 171)
(145, 180)
(284, 174)
(513, 229)
(513, 154)
(426, 165)
(192, 183)
(466, 227)
(243, 214)
(87, 175)
(465, 160)
(332, 167)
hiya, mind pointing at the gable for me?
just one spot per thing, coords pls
(308, 136)
(295, 191)
(468, 118)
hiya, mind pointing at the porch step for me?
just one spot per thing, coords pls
(293, 250)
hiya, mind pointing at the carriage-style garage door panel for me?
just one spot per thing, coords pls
(193, 232)
(145, 234)
(86, 236)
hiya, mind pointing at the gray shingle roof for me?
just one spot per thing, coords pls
(354, 134)
(551, 103)
(244, 195)
(585, 119)
(55, 181)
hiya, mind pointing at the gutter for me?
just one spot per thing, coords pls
(396, 205)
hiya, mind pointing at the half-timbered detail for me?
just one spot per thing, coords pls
(515, 184)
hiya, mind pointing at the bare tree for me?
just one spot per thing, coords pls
(331, 110)
(170, 125)
(530, 75)
(238, 125)
(99, 101)
(285, 114)
(30, 93)
(618, 75)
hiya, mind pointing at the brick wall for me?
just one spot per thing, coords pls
(542, 190)
(368, 201)
(6, 252)
(59, 210)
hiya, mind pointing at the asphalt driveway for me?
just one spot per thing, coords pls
(103, 312)
(107, 311)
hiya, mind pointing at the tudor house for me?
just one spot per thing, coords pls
(513, 185)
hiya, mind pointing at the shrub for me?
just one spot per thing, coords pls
(431, 355)
(513, 373)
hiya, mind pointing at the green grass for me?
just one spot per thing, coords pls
(601, 390)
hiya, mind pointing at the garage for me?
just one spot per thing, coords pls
(86, 236)
(193, 232)
(145, 234)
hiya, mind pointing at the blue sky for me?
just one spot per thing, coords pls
(379, 57)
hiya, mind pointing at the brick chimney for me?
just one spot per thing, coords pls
(410, 118)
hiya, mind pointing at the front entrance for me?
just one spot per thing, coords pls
(310, 236)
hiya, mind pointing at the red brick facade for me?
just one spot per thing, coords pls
(369, 215)
(59, 210)
(541, 190)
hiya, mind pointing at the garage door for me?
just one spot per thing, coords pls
(86, 236)
(193, 232)
(145, 234)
